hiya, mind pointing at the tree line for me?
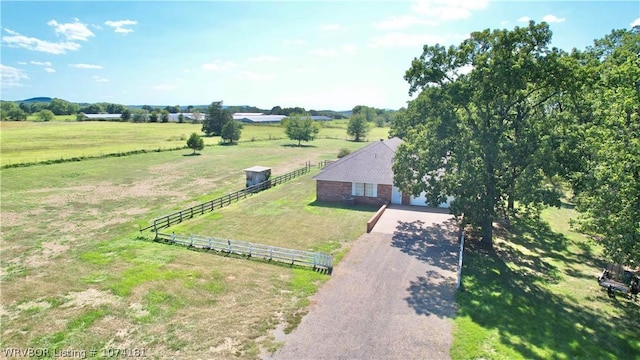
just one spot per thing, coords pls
(503, 120)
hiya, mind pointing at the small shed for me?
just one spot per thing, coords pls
(257, 174)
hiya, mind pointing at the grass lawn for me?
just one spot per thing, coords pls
(28, 142)
(536, 297)
(75, 273)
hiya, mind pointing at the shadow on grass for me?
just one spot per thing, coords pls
(191, 154)
(506, 290)
(338, 205)
(299, 146)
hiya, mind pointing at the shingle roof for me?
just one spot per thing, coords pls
(371, 164)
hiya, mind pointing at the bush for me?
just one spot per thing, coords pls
(343, 152)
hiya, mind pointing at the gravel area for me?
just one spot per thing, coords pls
(391, 297)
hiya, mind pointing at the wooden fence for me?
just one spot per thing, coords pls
(318, 261)
(188, 213)
(324, 163)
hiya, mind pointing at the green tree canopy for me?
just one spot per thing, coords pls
(480, 129)
(608, 186)
(301, 128)
(231, 131)
(46, 115)
(358, 127)
(195, 142)
(126, 115)
(215, 119)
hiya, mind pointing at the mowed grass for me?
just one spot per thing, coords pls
(32, 142)
(75, 272)
(536, 297)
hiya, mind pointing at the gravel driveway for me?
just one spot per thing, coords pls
(391, 297)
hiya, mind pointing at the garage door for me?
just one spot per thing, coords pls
(422, 201)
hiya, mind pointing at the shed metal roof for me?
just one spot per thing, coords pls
(257, 168)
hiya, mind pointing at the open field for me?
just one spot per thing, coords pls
(75, 274)
(27, 142)
(537, 297)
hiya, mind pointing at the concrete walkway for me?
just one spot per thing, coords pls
(391, 297)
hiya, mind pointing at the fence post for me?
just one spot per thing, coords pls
(271, 253)
(314, 261)
(249, 249)
(460, 261)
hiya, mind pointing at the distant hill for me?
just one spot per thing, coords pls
(36, 100)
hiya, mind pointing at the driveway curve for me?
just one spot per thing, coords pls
(391, 297)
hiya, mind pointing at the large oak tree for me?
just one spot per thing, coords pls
(482, 128)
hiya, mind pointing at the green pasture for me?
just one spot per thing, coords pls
(536, 297)
(76, 273)
(33, 142)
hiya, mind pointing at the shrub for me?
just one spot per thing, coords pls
(343, 152)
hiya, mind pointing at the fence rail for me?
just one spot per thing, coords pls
(319, 261)
(324, 163)
(188, 213)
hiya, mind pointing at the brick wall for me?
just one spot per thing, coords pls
(332, 190)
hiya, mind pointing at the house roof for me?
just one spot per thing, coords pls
(371, 164)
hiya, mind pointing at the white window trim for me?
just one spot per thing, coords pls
(366, 186)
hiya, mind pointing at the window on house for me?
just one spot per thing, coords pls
(364, 189)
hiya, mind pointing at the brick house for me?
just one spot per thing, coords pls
(366, 177)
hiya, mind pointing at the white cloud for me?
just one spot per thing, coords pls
(331, 27)
(45, 63)
(164, 87)
(99, 79)
(186, 70)
(293, 42)
(636, 22)
(553, 19)
(20, 41)
(218, 65)
(22, 63)
(121, 26)
(504, 23)
(324, 52)
(49, 70)
(11, 77)
(402, 22)
(444, 10)
(525, 19)
(255, 76)
(264, 58)
(349, 49)
(72, 31)
(85, 66)
(398, 39)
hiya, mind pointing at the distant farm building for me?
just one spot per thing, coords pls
(260, 118)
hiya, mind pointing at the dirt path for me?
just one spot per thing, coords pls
(392, 297)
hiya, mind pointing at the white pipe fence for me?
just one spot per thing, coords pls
(460, 261)
(319, 261)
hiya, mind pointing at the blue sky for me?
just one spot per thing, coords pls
(313, 54)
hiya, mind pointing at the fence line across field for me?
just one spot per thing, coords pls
(225, 200)
(318, 261)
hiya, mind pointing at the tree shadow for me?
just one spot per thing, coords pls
(227, 143)
(299, 146)
(505, 290)
(339, 205)
(435, 244)
(192, 154)
(433, 294)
